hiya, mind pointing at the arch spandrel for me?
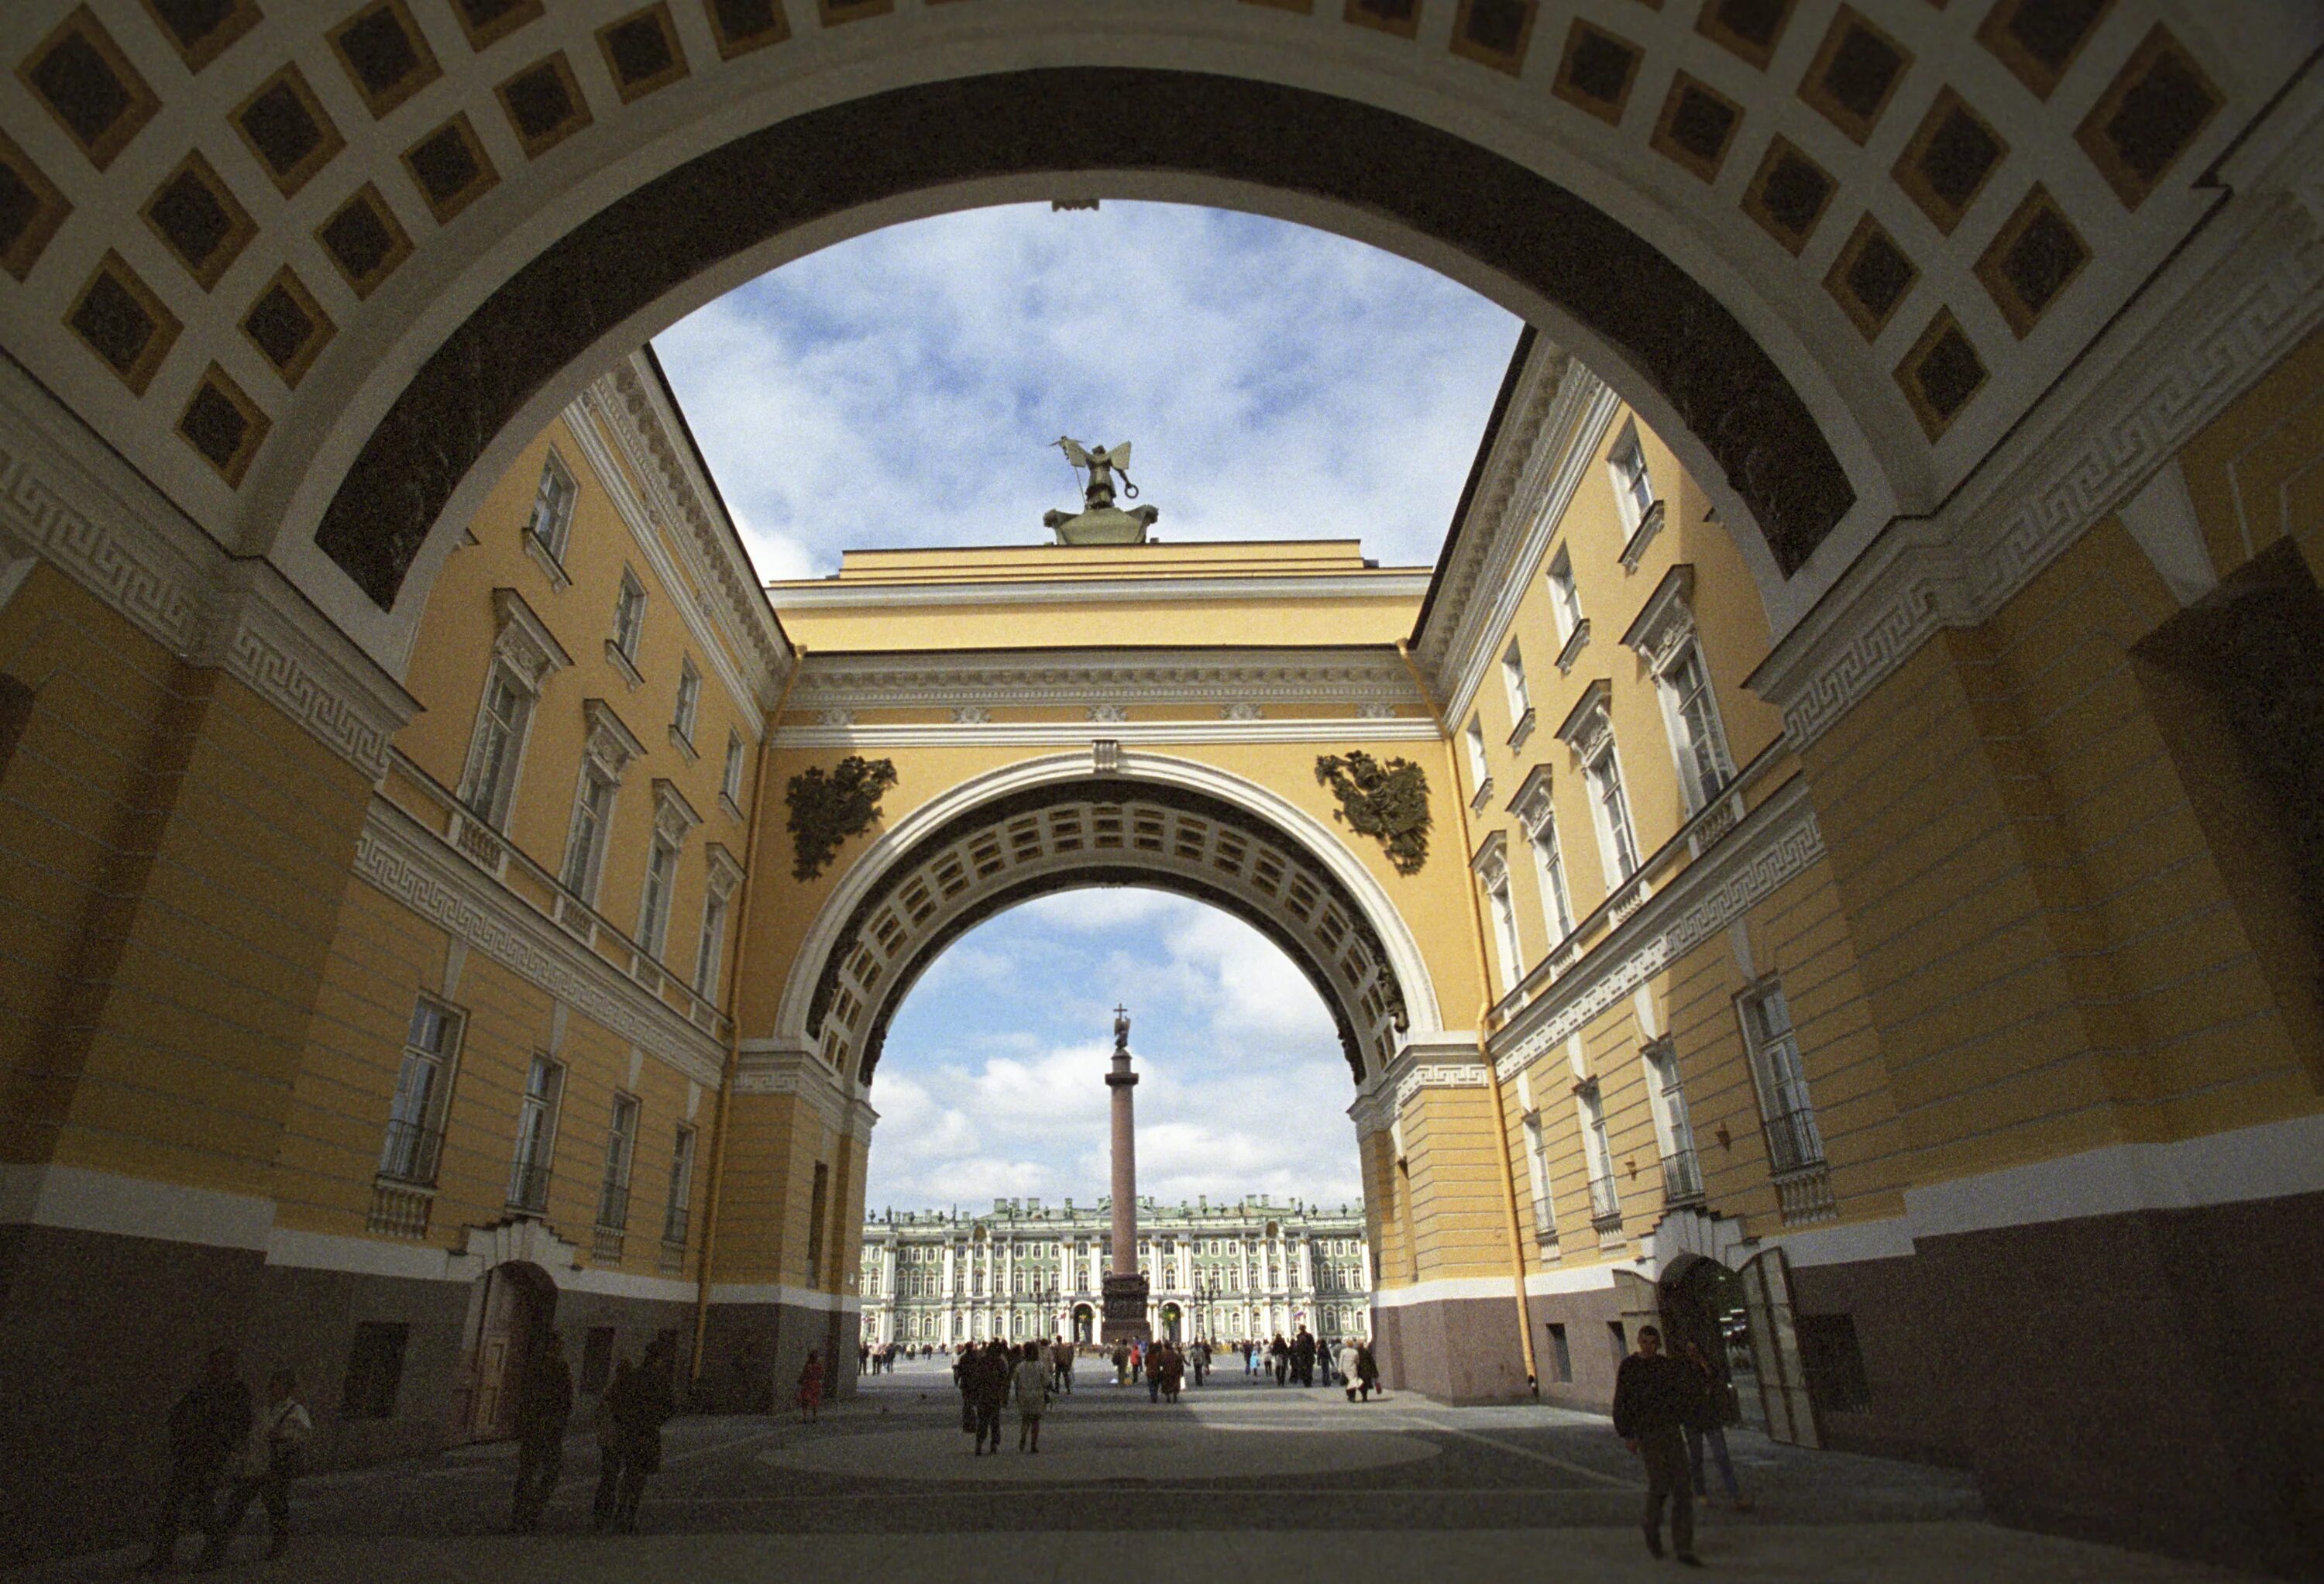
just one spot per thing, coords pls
(1055, 822)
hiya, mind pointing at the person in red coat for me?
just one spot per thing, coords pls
(810, 1386)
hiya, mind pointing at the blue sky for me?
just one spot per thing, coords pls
(904, 389)
(992, 1082)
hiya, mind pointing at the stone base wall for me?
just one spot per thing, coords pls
(752, 1353)
(1454, 1349)
(1590, 1344)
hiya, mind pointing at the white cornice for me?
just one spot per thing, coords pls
(833, 594)
(1774, 842)
(961, 678)
(65, 497)
(765, 1067)
(1067, 733)
(405, 861)
(2247, 290)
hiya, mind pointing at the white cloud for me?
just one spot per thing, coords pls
(904, 388)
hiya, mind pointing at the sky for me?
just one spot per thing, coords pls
(906, 388)
(992, 1080)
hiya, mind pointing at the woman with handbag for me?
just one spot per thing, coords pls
(269, 1461)
(1707, 1425)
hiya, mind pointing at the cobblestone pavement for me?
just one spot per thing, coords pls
(1251, 1481)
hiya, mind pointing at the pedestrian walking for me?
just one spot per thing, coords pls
(1324, 1352)
(1032, 1387)
(987, 1373)
(270, 1459)
(606, 1422)
(1715, 1410)
(634, 1409)
(1173, 1366)
(1351, 1366)
(1062, 1355)
(544, 1406)
(1654, 1395)
(208, 1426)
(1303, 1357)
(1368, 1380)
(810, 1387)
(1279, 1353)
(1121, 1364)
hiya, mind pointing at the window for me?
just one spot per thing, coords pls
(422, 1084)
(374, 1370)
(1605, 1201)
(1511, 962)
(1513, 678)
(629, 615)
(497, 747)
(712, 945)
(1695, 735)
(592, 811)
(1793, 1141)
(553, 508)
(1474, 737)
(1544, 1212)
(1565, 597)
(1621, 843)
(1673, 1130)
(730, 779)
(1833, 1360)
(1634, 491)
(1620, 1337)
(598, 1358)
(1560, 1356)
(535, 1136)
(818, 1205)
(689, 700)
(653, 902)
(1549, 867)
(621, 1145)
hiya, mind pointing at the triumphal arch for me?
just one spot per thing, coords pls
(1830, 848)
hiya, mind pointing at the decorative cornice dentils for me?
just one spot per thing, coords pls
(1021, 678)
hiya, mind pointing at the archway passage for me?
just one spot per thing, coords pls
(1103, 831)
(616, 265)
(517, 1304)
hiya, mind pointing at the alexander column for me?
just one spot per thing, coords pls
(1125, 1288)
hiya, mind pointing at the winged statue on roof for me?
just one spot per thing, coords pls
(1100, 522)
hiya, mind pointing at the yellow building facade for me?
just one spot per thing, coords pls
(1828, 857)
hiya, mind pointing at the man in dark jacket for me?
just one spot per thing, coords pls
(544, 1405)
(1655, 1395)
(643, 1407)
(985, 1376)
(1303, 1357)
(210, 1424)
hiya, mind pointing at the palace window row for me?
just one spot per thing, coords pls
(411, 1150)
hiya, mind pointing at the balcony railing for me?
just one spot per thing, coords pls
(1605, 1203)
(529, 1188)
(400, 1211)
(614, 1206)
(409, 1153)
(1793, 1145)
(1681, 1178)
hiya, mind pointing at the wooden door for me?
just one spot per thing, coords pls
(510, 1314)
(1775, 1350)
(1641, 1305)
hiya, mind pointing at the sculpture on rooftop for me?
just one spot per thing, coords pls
(1100, 522)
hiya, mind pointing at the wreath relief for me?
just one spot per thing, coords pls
(1388, 802)
(828, 808)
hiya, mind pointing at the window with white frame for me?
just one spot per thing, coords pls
(498, 746)
(536, 1135)
(629, 615)
(1695, 734)
(551, 522)
(621, 1147)
(1504, 928)
(712, 946)
(1795, 1142)
(1673, 1130)
(423, 1085)
(585, 843)
(1564, 594)
(1613, 808)
(689, 700)
(654, 896)
(1633, 490)
(1474, 739)
(730, 779)
(1544, 1209)
(1513, 678)
(1605, 1199)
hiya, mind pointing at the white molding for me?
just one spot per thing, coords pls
(1446, 1289)
(1299, 827)
(1596, 1277)
(65, 496)
(764, 1067)
(1023, 677)
(783, 1292)
(401, 858)
(1060, 733)
(1775, 842)
(1847, 1242)
(77, 1199)
(835, 595)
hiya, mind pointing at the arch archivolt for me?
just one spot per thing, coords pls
(1054, 824)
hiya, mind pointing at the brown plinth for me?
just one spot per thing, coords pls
(1125, 1311)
